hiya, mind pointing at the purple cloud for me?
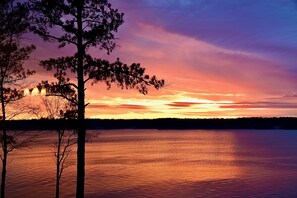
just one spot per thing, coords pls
(265, 27)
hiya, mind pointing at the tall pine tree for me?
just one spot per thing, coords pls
(13, 23)
(84, 24)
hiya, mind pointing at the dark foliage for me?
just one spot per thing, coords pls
(14, 19)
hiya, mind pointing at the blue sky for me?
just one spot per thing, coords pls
(268, 27)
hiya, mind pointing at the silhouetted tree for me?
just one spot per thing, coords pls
(85, 24)
(58, 108)
(13, 22)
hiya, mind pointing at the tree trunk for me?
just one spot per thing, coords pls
(58, 165)
(4, 162)
(57, 186)
(80, 182)
(4, 144)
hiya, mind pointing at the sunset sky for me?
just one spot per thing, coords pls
(220, 58)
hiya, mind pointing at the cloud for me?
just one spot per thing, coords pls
(98, 106)
(249, 24)
(266, 27)
(132, 106)
(205, 65)
(254, 105)
(116, 106)
(290, 96)
(182, 104)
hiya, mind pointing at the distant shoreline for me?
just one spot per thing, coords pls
(289, 123)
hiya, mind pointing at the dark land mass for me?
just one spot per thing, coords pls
(164, 123)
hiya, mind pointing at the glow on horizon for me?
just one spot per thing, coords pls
(34, 92)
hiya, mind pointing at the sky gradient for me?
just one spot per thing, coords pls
(220, 58)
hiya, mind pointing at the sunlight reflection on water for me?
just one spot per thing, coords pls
(166, 163)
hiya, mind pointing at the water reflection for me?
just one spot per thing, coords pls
(153, 163)
(154, 156)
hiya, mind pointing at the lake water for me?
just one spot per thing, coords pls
(165, 163)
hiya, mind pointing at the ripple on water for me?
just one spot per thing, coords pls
(152, 163)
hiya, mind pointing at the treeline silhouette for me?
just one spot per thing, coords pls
(162, 123)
